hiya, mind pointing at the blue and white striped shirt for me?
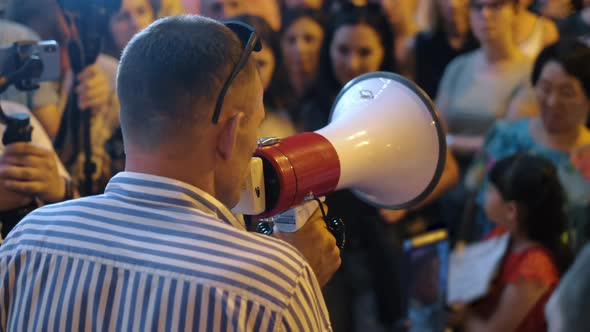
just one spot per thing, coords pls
(152, 254)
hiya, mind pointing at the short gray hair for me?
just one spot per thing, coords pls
(171, 74)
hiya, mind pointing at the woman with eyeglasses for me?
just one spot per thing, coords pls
(482, 86)
(489, 83)
(561, 77)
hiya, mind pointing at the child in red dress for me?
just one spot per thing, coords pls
(525, 199)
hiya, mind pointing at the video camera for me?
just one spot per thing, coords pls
(25, 64)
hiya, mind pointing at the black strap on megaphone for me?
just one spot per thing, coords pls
(335, 225)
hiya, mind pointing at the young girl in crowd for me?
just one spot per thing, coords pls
(526, 200)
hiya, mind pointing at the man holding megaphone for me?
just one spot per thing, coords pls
(160, 249)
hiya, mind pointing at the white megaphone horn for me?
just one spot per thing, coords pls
(384, 141)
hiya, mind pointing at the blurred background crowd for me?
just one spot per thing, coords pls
(510, 78)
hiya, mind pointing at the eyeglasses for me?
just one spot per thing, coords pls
(251, 42)
(495, 6)
(565, 92)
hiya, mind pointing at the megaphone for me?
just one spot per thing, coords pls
(384, 142)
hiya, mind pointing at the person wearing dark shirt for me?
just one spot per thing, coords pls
(577, 24)
(434, 50)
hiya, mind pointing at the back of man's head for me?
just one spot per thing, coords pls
(170, 76)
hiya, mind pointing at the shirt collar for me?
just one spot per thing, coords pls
(170, 192)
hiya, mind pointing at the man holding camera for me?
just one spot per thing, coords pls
(31, 174)
(160, 249)
(94, 85)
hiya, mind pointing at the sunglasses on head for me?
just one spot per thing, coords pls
(250, 42)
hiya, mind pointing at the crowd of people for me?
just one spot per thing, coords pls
(511, 82)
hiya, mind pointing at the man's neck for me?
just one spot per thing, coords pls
(170, 167)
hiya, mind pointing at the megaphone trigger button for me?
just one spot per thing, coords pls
(337, 228)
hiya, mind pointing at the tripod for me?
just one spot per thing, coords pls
(83, 49)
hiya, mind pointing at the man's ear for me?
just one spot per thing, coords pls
(228, 137)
